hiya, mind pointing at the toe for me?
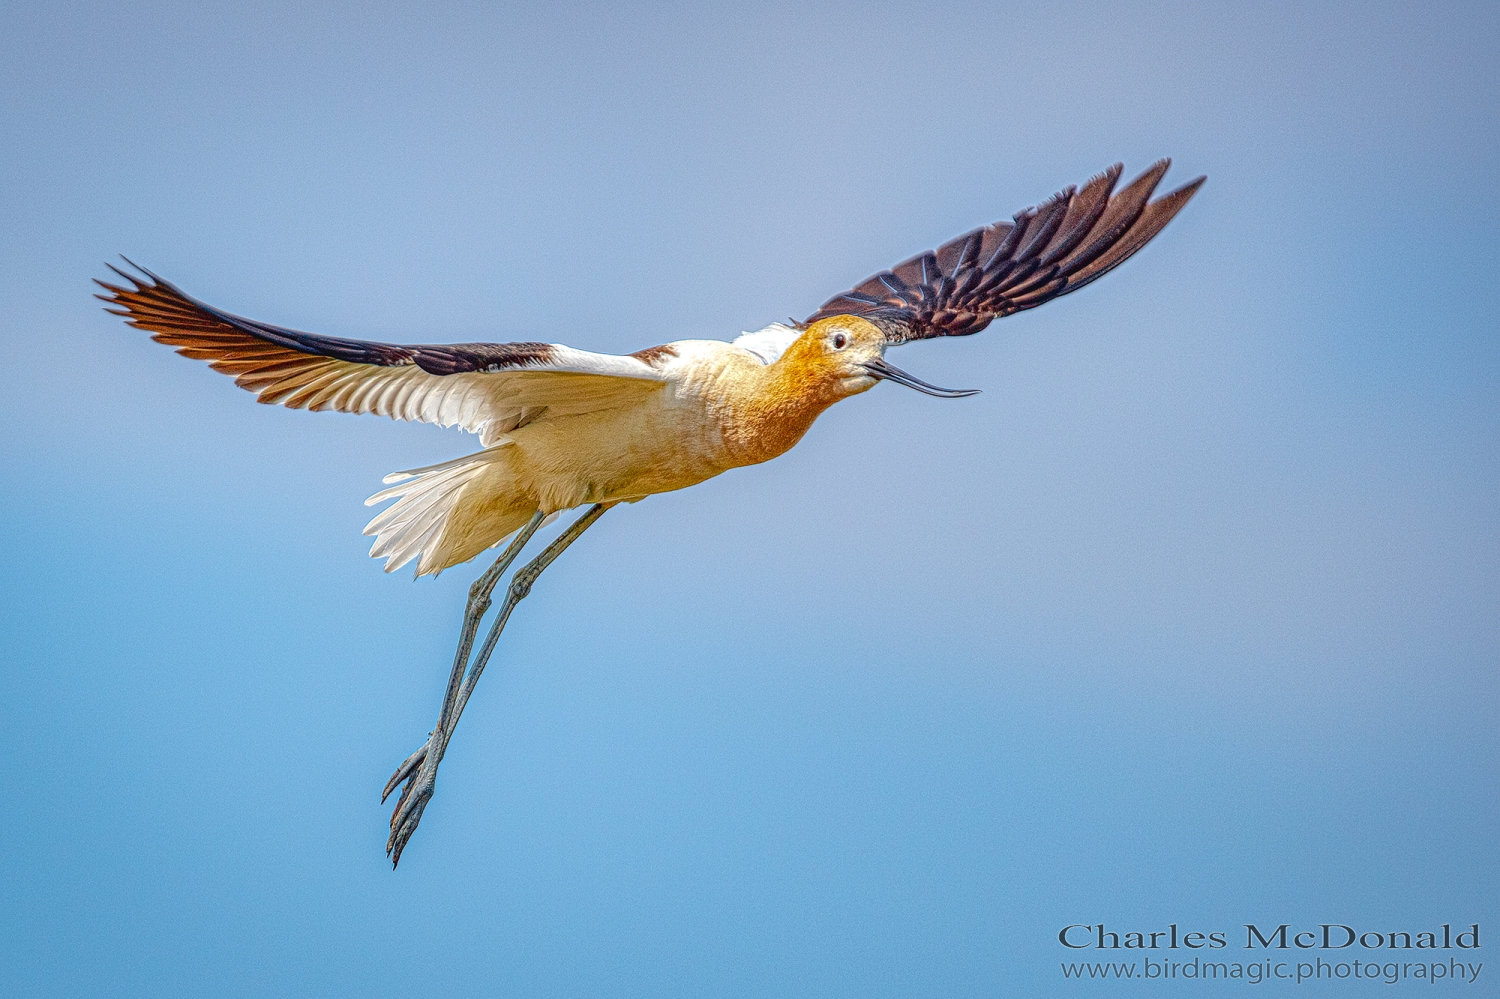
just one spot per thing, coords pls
(405, 770)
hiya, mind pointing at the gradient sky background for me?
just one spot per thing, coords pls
(1190, 617)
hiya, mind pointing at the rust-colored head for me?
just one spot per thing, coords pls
(830, 360)
(842, 356)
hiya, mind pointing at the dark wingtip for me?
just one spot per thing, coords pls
(1110, 173)
(1173, 201)
(1155, 172)
(1191, 187)
(139, 285)
(144, 270)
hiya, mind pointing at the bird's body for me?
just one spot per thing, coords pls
(708, 406)
(560, 427)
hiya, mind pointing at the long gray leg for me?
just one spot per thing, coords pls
(479, 604)
(420, 769)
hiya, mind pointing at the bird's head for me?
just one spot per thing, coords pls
(845, 355)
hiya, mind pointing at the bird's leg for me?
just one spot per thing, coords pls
(520, 587)
(479, 604)
(420, 769)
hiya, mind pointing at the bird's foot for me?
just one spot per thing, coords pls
(419, 774)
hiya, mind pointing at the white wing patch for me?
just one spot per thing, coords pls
(770, 343)
(487, 403)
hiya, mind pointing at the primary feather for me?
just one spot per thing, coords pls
(1072, 239)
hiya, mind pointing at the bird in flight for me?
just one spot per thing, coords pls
(560, 428)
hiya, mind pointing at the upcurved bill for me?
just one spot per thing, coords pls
(886, 371)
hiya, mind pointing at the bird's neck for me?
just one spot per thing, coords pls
(776, 406)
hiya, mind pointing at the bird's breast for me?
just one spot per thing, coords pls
(715, 414)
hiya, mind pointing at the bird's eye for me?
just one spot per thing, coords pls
(839, 340)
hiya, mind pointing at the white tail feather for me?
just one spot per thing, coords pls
(411, 473)
(474, 490)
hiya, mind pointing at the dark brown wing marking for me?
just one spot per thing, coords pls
(1057, 247)
(654, 356)
(258, 353)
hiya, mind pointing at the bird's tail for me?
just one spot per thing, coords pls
(448, 513)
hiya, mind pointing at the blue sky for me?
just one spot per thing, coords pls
(1191, 617)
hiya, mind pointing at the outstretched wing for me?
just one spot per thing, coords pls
(1057, 247)
(487, 388)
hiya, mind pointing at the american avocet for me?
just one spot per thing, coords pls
(560, 428)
